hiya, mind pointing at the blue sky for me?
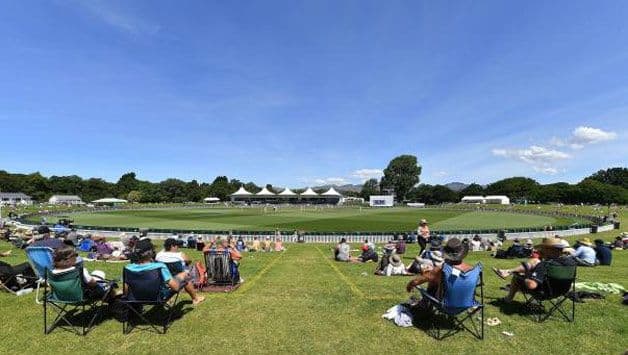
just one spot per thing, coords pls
(300, 93)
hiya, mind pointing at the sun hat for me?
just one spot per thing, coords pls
(529, 242)
(395, 260)
(549, 243)
(585, 241)
(423, 221)
(454, 250)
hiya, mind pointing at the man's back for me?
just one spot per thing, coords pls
(603, 254)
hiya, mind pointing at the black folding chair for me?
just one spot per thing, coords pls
(69, 294)
(147, 288)
(458, 303)
(552, 293)
(221, 270)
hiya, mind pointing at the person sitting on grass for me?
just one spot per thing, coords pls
(145, 254)
(342, 252)
(603, 253)
(240, 244)
(266, 245)
(395, 266)
(454, 253)
(476, 243)
(279, 245)
(389, 250)
(255, 245)
(172, 254)
(584, 253)
(401, 245)
(65, 260)
(368, 254)
(528, 278)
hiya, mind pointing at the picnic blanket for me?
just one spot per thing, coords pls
(610, 287)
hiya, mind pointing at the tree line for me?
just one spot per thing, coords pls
(603, 187)
(401, 177)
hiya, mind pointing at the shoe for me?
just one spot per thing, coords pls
(501, 273)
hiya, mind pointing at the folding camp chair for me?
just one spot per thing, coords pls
(41, 259)
(175, 267)
(553, 292)
(458, 304)
(68, 294)
(221, 270)
(147, 288)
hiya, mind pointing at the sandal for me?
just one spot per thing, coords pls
(499, 273)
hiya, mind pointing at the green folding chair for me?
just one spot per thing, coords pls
(67, 299)
(550, 296)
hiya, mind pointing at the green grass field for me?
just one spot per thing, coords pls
(328, 219)
(301, 301)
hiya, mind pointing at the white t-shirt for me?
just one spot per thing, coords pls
(395, 270)
(169, 257)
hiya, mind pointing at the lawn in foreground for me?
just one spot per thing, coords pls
(301, 301)
(326, 219)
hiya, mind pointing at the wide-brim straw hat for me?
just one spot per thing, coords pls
(423, 221)
(395, 260)
(455, 250)
(585, 241)
(551, 243)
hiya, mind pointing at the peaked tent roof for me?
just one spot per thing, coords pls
(287, 192)
(309, 192)
(241, 192)
(331, 192)
(265, 192)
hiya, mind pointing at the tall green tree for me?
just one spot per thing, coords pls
(612, 176)
(370, 187)
(473, 189)
(401, 175)
(127, 183)
(515, 188)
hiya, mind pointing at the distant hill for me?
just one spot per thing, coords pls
(341, 188)
(456, 186)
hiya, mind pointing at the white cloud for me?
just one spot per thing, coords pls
(540, 158)
(331, 181)
(441, 174)
(118, 19)
(589, 135)
(365, 174)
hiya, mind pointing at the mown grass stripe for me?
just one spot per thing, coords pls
(248, 283)
(354, 288)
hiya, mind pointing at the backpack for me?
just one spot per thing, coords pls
(198, 275)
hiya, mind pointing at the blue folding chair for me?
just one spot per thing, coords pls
(147, 288)
(458, 303)
(40, 259)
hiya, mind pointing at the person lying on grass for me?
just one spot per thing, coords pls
(368, 254)
(529, 278)
(454, 253)
(145, 254)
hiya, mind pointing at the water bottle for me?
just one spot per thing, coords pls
(24, 291)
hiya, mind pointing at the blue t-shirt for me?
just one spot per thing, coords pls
(165, 273)
(603, 254)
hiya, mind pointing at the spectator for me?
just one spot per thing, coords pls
(145, 261)
(65, 260)
(240, 244)
(529, 279)
(266, 245)
(528, 248)
(279, 245)
(584, 253)
(255, 245)
(395, 266)
(389, 250)
(476, 243)
(43, 239)
(454, 253)
(428, 260)
(619, 243)
(603, 253)
(368, 254)
(8, 274)
(423, 234)
(172, 254)
(401, 246)
(342, 252)
(370, 244)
